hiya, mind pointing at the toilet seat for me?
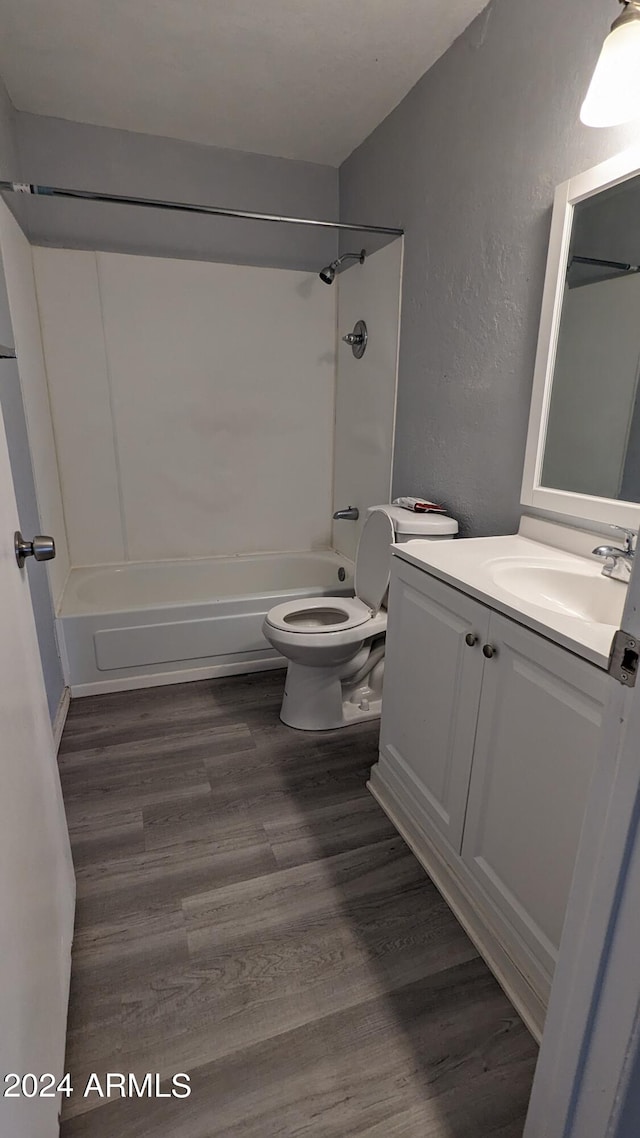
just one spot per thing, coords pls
(319, 615)
(373, 560)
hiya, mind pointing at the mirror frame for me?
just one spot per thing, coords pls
(585, 507)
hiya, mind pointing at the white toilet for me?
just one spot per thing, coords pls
(335, 645)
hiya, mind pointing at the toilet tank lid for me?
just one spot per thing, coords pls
(420, 525)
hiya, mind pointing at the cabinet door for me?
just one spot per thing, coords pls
(431, 695)
(536, 745)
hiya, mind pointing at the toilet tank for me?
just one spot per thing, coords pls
(408, 526)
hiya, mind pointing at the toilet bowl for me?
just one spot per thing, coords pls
(335, 645)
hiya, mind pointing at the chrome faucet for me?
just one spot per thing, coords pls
(618, 561)
(350, 515)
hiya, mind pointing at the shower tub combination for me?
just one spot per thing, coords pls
(140, 624)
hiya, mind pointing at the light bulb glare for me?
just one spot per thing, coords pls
(613, 97)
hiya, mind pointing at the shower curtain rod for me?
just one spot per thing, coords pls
(186, 207)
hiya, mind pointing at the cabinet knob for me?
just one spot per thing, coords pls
(471, 639)
(489, 651)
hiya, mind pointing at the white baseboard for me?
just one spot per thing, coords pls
(529, 1003)
(60, 718)
(180, 676)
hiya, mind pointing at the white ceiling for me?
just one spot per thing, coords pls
(306, 79)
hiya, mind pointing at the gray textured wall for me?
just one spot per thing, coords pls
(467, 163)
(59, 153)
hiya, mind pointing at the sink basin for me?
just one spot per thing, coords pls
(556, 590)
(574, 591)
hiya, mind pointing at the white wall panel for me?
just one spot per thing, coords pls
(193, 404)
(366, 389)
(223, 395)
(16, 253)
(73, 340)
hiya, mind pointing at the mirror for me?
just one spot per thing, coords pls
(592, 443)
(583, 453)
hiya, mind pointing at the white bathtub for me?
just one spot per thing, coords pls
(140, 624)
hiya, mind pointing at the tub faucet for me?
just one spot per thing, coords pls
(618, 561)
(350, 515)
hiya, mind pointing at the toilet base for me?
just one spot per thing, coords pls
(317, 699)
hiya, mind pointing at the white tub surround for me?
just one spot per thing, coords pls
(194, 412)
(140, 624)
(366, 389)
(192, 402)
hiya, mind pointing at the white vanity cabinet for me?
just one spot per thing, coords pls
(535, 751)
(489, 738)
(432, 694)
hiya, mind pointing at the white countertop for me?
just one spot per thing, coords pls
(479, 567)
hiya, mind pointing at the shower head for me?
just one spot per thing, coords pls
(328, 274)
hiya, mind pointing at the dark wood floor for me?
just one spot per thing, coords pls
(247, 914)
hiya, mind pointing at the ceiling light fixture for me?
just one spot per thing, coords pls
(614, 95)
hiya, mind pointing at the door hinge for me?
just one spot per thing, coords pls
(623, 660)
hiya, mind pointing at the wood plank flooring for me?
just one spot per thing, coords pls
(248, 915)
